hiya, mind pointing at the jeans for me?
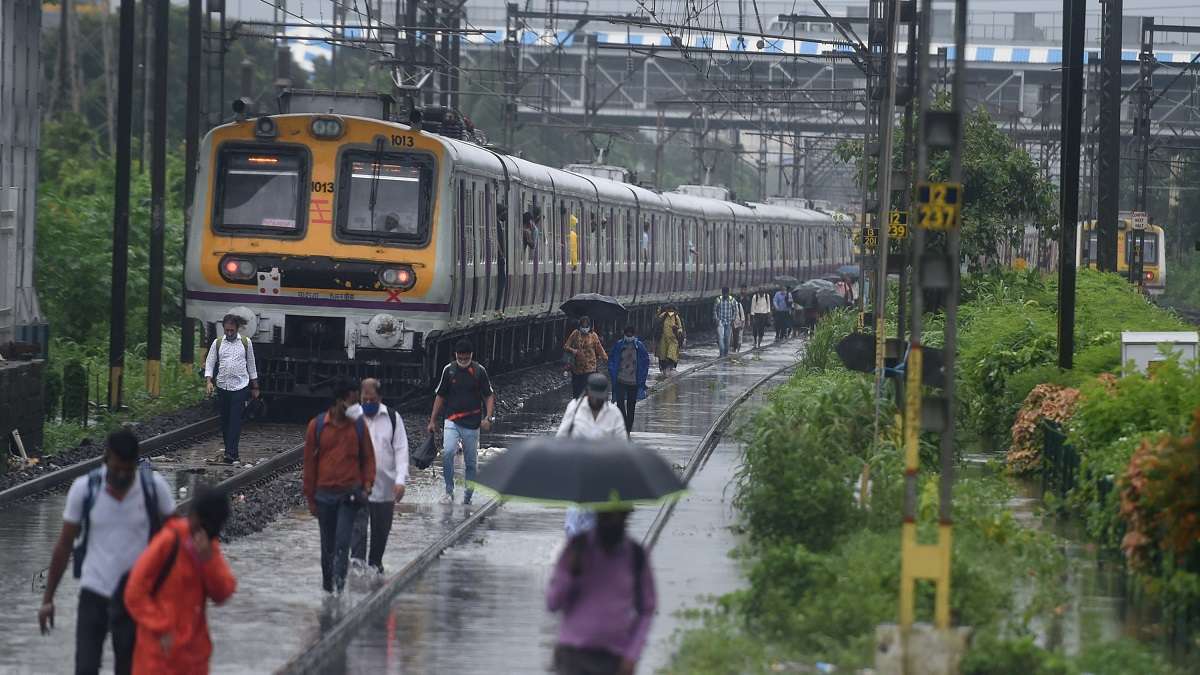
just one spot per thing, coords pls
(379, 515)
(451, 435)
(723, 332)
(626, 396)
(230, 405)
(570, 660)
(737, 340)
(578, 382)
(335, 516)
(92, 627)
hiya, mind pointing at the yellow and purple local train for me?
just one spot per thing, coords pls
(358, 246)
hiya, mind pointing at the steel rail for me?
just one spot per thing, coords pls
(49, 481)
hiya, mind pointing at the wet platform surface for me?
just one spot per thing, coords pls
(481, 607)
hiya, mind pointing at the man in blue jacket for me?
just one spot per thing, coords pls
(628, 366)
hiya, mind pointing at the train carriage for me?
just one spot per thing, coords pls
(359, 246)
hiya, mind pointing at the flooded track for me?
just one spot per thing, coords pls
(278, 610)
(480, 607)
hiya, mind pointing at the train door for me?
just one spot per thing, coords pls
(476, 238)
(458, 295)
(552, 256)
(486, 215)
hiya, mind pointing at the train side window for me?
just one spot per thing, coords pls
(385, 196)
(261, 190)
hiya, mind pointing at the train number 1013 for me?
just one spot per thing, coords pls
(402, 141)
(322, 186)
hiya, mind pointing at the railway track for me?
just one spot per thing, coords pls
(327, 654)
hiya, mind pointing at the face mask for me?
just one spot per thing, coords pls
(462, 361)
(231, 336)
(630, 338)
(585, 329)
(120, 481)
(370, 408)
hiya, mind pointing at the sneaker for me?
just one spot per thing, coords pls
(447, 498)
(467, 499)
(222, 458)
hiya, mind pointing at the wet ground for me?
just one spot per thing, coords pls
(480, 608)
(278, 609)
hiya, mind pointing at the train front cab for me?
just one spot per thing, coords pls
(326, 243)
(1149, 268)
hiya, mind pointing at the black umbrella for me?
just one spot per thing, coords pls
(786, 280)
(592, 473)
(599, 307)
(828, 299)
(806, 293)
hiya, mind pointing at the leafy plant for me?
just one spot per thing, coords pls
(1046, 403)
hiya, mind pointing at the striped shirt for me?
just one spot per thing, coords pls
(237, 363)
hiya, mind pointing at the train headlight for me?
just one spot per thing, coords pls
(237, 269)
(264, 127)
(384, 331)
(402, 278)
(1149, 276)
(326, 128)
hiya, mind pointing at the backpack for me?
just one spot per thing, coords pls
(360, 429)
(95, 482)
(216, 346)
(165, 570)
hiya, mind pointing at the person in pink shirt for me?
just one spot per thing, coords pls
(604, 587)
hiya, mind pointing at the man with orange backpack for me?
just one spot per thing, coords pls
(170, 585)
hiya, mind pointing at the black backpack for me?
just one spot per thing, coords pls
(94, 484)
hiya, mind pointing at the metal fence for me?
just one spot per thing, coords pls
(1060, 461)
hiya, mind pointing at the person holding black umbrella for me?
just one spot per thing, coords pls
(592, 416)
(587, 353)
(604, 586)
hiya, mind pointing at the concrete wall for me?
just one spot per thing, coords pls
(20, 116)
(22, 398)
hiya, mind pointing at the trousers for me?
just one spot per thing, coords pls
(378, 515)
(626, 396)
(451, 435)
(335, 517)
(92, 626)
(229, 406)
(570, 660)
(724, 331)
(578, 382)
(759, 323)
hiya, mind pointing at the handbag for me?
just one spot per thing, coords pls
(423, 455)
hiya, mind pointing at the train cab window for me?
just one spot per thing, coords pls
(1090, 245)
(260, 190)
(385, 196)
(1149, 248)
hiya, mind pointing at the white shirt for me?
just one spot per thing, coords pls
(237, 363)
(118, 530)
(608, 424)
(391, 452)
(761, 304)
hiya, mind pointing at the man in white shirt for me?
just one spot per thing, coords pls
(111, 514)
(231, 371)
(760, 313)
(391, 472)
(590, 416)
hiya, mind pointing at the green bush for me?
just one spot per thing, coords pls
(990, 655)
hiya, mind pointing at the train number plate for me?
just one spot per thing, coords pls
(939, 205)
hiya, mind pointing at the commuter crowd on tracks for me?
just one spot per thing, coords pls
(146, 574)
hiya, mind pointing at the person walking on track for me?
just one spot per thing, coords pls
(587, 354)
(724, 314)
(463, 392)
(781, 308)
(111, 514)
(739, 324)
(339, 469)
(230, 371)
(760, 314)
(391, 472)
(171, 583)
(628, 368)
(592, 416)
(670, 340)
(603, 585)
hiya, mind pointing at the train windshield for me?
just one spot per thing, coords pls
(260, 190)
(385, 196)
(1149, 248)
